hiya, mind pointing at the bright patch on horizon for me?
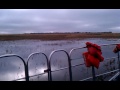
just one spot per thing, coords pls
(115, 27)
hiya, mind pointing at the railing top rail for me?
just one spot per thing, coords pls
(8, 55)
(85, 47)
(25, 67)
(57, 51)
(109, 44)
(116, 75)
(50, 56)
(36, 53)
(100, 74)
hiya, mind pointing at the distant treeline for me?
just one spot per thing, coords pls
(70, 32)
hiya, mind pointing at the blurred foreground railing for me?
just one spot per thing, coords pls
(66, 58)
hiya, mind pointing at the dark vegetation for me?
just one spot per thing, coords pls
(57, 36)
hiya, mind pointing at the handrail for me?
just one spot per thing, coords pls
(25, 66)
(48, 61)
(100, 75)
(69, 63)
(28, 59)
(115, 76)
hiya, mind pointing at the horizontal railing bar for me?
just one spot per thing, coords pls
(76, 59)
(18, 79)
(78, 48)
(67, 67)
(100, 45)
(38, 74)
(31, 76)
(99, 75)
(60, 69)
(109, 44)
(53, 71)
(78, 64)
(111, 58)
(8, 55)
(105, 58)
(114, 76)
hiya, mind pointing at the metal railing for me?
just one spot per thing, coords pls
(28, 60)
(23, 61)
(69, 67)
(69, 64)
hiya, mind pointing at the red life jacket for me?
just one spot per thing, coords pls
(87, 62)
(90, 60)
(117, 48)
(94, 55)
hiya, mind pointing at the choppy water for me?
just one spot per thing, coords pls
(12, 68)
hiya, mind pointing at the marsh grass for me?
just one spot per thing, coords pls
(57, 36)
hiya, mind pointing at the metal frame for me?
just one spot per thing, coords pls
(69, 63)
(114, 77)
(119, 64)
(93, 70)
(25, 66)
(48, 61)
(28, 59)
(100, 75)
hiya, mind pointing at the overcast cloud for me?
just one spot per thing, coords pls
(59, 20)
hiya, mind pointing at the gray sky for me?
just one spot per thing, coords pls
(59, 20)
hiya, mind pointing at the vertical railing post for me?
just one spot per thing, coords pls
(70, 68)
(49, 71)
(119, 64)
(69, 64)
(93, 73)
(26, 72)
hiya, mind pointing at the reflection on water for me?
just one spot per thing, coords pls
(12, 68)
